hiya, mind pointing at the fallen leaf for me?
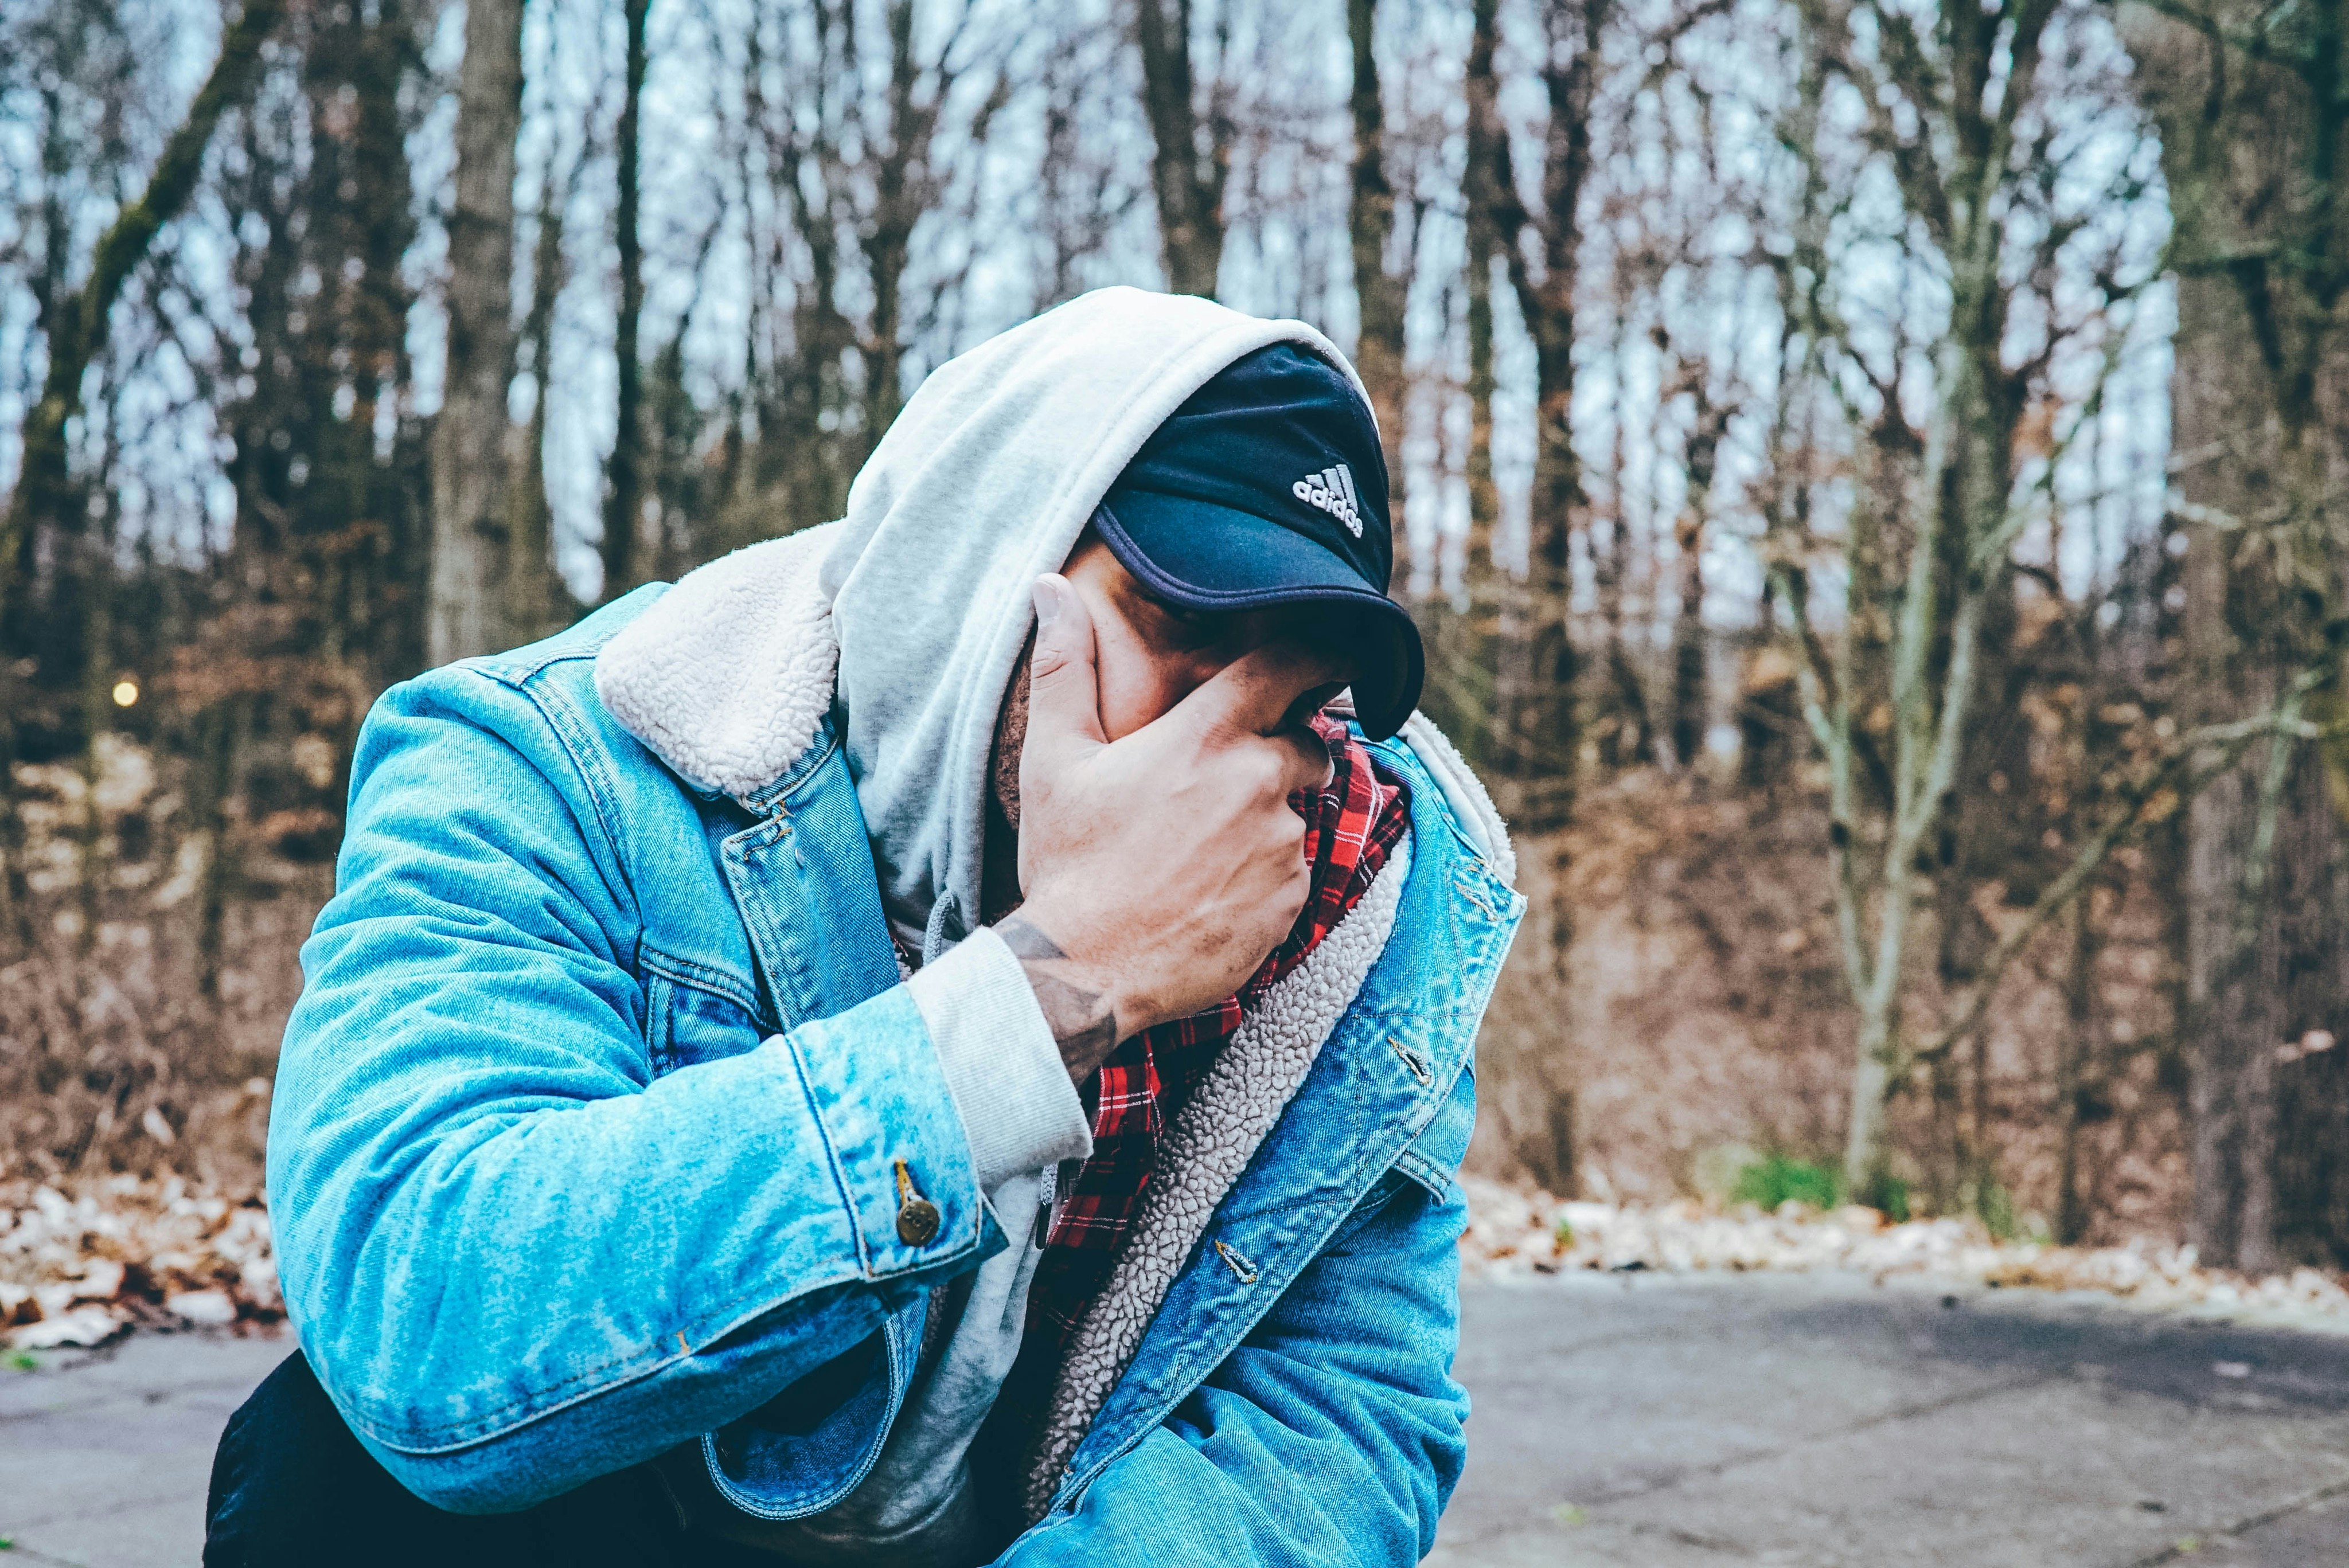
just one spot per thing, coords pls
(206, 1306)
(83, 1326)
(101, 1280)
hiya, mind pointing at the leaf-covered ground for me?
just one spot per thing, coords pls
(123, 1252)
(1511, 1231)
(81, 1268)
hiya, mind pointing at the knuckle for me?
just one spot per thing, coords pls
(1258, 768)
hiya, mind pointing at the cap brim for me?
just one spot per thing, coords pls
(1204, 556)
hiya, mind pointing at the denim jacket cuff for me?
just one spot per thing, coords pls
(1020, 1111)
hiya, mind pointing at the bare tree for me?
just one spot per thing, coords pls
(76, 325)
(1955, 117)
(2255, 126)
(1489, 203)
(1505, 672)
(1086, 188)
(1700, 449)
(623, 480)
(474, 445)
(1534, 740)
(540, 602)
(849, 130)
(1380, 291)
(1191, 158)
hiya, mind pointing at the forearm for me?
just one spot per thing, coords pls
(628, 1423)
(467, 1249)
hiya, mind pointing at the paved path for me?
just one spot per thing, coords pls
(1808, 1420)
(104, 1457)
(1816, 1420)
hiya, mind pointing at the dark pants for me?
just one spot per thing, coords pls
(291, 1487)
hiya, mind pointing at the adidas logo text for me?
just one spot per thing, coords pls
(1332, 489)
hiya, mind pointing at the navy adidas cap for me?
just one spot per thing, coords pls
(1268, 488)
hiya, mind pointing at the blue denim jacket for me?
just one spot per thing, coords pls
(588, 1122)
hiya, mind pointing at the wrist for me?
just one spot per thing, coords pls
(1063, 930)
(1086, 1011)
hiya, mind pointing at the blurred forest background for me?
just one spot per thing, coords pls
(1873, 473)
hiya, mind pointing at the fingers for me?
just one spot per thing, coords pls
(1304, 762)
(1255, 695)
(1063, 683)
(1312, 701)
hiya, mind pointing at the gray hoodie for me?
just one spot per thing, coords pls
(984, 483)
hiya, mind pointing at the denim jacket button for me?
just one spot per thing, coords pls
(918, 1217)
(917, 1221)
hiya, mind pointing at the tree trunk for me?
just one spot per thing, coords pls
(2081, 1097)
(1380, 295)
(2250, 148)
(1688, 713)
(1187, 177)
(1467, 677)
(379, 619)
(1534, 740)
(473, 445)
(1484, 496)
(903, 190)
(539, 603)
(624, 496)
(1496, 219)
(2307, 1127)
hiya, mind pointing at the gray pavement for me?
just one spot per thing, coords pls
(1820, 1421)
(1809, 1420)
(104, 1455)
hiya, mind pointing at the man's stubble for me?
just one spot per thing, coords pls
(999, 892)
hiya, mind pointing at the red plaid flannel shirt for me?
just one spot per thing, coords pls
(1351, 827)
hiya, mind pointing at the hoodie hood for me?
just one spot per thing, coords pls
(984, 483)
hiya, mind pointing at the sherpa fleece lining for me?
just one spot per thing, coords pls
(1211, 1142)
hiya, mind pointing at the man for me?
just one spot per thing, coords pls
(920, 1043)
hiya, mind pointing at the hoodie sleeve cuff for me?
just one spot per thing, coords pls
(1020, 1111)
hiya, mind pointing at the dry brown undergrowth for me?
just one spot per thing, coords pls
(145, 979)
(1700, 1016)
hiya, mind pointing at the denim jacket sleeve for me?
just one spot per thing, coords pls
(1333, 1434)
(517, 1258)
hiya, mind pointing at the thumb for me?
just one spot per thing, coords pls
(1063, 684)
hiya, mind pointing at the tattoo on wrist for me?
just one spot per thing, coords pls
(1082, 1019)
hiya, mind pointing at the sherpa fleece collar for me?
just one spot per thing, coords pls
(727, 674)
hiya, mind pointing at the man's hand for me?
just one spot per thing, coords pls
(1158, 870)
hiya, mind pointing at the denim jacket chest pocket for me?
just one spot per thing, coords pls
(693, 1016)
